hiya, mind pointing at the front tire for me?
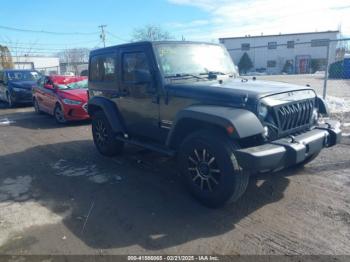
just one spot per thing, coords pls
(210, 168)
(104, 137)
(10, 103)
(37, 107)
(59, 115)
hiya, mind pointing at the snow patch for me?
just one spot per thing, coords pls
(99, 179)
(64, 168)
(5, 122)
(337, 104)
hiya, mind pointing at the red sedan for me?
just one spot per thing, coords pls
(64, 97)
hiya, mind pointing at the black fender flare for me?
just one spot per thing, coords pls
(110, 110)
(244, 122)
(322, 106)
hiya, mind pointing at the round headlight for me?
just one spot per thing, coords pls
(263, 111)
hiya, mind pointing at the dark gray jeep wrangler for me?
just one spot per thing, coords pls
(184, 99)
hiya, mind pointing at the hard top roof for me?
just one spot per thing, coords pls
(145, 43)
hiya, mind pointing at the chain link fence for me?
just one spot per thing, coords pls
(76, 69)
(322, 64)
(53, 70)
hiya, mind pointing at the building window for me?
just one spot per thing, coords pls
(319, 42)
(271, 63)
(290, 44)
(245, 47)
(272, 45)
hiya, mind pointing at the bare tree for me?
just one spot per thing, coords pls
(74, 57)
(5, 57)
(150, 33)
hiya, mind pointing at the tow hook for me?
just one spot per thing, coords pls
(294, 141)
(328, 125)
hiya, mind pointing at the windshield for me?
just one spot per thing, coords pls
(181, 59)
(23, 76)
(75, 85)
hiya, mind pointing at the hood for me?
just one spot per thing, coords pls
(74, 94)
(28, 85)
(232, 90)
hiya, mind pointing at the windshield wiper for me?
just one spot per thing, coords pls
(213, 73)
(184, 75)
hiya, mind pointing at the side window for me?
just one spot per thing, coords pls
(102, 68)
(41, 82)
(134, 62)
(94, 69)
(109, 69)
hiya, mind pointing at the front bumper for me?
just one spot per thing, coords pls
(75, 112)
(289, 151)
(24, 96)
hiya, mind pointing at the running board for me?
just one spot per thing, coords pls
(153, 147)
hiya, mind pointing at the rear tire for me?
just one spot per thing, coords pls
(210, 169)
(104, 137)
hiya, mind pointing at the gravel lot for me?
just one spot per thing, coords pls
(59, 196)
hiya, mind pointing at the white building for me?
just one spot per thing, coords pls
(291, 53)
(44, 64)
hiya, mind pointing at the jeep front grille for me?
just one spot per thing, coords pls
(294, 116)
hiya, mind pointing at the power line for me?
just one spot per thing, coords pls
(48, 44)
(44, 32)
(117, 37)
(38, 48)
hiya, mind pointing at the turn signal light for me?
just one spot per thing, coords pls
(230, 130)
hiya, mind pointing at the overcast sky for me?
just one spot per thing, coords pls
(205, 20)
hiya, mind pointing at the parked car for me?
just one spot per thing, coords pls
(182, 99)
(16, 85)
(64, 97)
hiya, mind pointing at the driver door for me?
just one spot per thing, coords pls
(139, 102)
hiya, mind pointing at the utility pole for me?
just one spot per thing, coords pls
(103, 34)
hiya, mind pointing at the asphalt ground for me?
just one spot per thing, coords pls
(59, 196)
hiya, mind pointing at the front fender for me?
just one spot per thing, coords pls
(322, 106)
(110, 110)
(244, 122)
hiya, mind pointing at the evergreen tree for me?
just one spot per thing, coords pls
(245, 63)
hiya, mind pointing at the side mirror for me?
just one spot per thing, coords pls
(48, 86)
(142, 77)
